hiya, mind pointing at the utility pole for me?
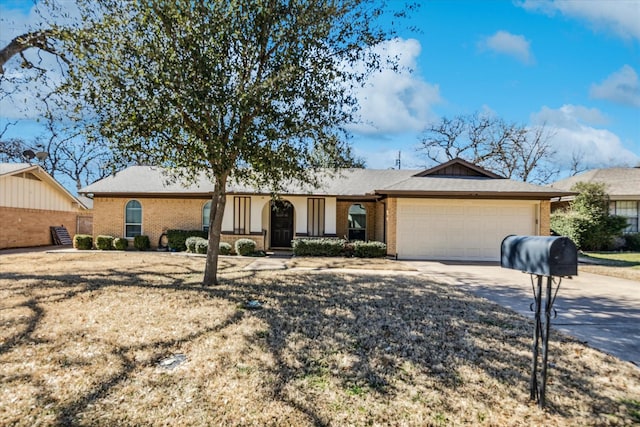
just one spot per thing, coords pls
(398, 164)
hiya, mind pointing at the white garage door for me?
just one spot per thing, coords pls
(460, 229)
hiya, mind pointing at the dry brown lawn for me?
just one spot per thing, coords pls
(317, 263)
(85, 338)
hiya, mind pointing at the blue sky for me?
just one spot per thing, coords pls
(572, 65)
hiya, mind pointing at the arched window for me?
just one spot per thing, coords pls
(133, 219)
(206, 215)
(357, 222)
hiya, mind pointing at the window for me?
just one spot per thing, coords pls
(315, 217)
(206, 215)
(629, 210)
(133, 219)
(241, 215)
(357, 222)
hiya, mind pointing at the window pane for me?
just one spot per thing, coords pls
(133, 230)
(357, 222)
(206, 214)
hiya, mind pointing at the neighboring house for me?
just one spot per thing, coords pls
(31, 201)
(453, 211)
(621, 184)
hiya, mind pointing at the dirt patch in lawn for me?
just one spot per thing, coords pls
(91, 339)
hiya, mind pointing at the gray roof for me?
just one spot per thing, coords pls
(620, 182)
(344, 183)
(468, 186)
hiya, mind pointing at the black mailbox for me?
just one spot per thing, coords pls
(540, 255)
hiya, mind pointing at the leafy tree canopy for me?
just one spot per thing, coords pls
(257, 90)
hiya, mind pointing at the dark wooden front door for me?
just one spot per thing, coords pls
(281, 224)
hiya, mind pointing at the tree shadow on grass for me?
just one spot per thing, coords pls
(370, 336)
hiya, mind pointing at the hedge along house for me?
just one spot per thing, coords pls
(453, 211)
(32, 201)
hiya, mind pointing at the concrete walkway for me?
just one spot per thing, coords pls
(602, 311)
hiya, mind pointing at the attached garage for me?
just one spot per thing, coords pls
(460, 211)
(445, 229)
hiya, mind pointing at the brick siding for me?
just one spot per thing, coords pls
(545, 217)
(23, 228)
(342, 218)
(158, 216)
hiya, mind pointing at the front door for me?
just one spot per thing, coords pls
(281, 224)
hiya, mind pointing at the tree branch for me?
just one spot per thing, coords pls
(37, 39)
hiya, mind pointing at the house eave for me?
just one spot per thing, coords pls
(512, 195)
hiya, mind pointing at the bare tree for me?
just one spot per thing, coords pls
(512, 150)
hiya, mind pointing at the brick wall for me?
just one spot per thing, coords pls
(21, 228)
(342, 218)
(158, 216)
(545, 218)
(392, 214)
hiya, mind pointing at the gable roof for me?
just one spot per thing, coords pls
(149, 181)
(458, 167)
(621, 183)
(10, 169)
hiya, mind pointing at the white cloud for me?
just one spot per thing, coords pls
(621, 87)
(396, 101)
(575, 133)
(620, 17)
(513, 45)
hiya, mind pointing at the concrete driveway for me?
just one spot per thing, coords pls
(602, 311)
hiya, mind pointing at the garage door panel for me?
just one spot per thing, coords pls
(459, 230)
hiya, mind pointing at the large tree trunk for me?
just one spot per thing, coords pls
(218, 201)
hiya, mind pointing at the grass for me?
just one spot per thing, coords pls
(83, 337)
(318, 263)
(623, 259)
(625, 265)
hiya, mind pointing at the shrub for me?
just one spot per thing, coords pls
(104, 243)
(587, 221)
(177, 238)
(141, 242)
(225, 248)
(632, 241)
(201, 245)
(369, 249)
(120, 243)
(319, 247)
(190, 243)
(83, 241)
(245, 247)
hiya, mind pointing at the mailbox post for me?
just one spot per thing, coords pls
(542, 257)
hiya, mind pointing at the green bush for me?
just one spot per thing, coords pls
(319, 247)
(104, 243)
(245, 247)
(225, 248)
(177, 238)
(201, 245)
(369, 249)
(83, 241)
(141, 242)
(120, 243)
(632, 241)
